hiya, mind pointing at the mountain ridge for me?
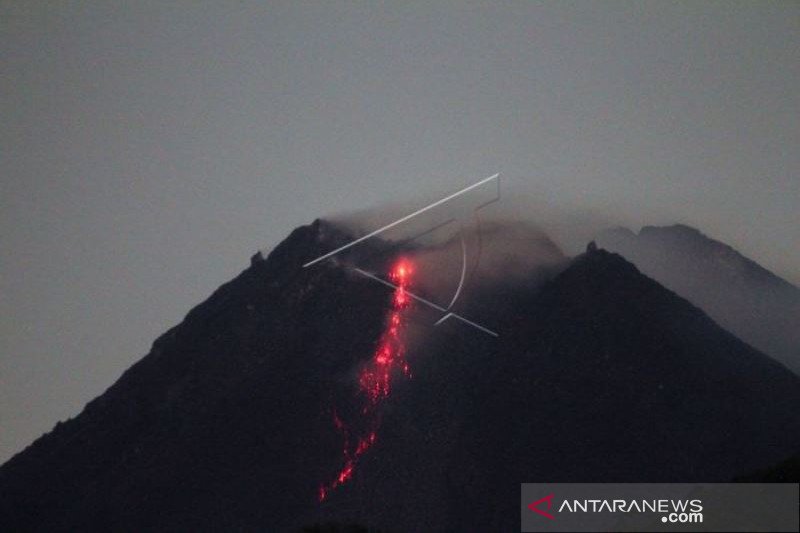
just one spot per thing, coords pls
(744, 297)
(227, 422)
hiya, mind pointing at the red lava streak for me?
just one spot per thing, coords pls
(375, 379)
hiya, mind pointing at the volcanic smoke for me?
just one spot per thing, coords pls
(375, 379)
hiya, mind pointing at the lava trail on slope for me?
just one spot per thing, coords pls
(375, 380)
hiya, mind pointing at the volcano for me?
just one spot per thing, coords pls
(286, 399)
(753, 303)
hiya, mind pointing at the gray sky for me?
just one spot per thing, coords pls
(148, 148)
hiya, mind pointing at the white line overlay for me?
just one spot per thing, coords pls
(446, 311)
(428, 303)
(400, 221)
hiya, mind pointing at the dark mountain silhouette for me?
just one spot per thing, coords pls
(787, 471)
(599, 374)
(756, 305)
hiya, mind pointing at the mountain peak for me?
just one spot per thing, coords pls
(683, 229)
(239, 413)
(737, 292)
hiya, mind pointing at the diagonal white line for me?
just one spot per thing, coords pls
(427, 302)
(469, 322)
(399, 221)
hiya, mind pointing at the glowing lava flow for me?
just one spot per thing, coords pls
(375, 379)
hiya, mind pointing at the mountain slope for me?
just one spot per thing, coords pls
(209, 422)
(600, 374)
(753, 303)
(603, 375)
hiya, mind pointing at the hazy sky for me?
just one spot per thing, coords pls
(149, 148)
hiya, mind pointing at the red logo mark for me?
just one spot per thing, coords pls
(549, 500)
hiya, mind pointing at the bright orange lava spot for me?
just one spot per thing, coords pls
(375, 379)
